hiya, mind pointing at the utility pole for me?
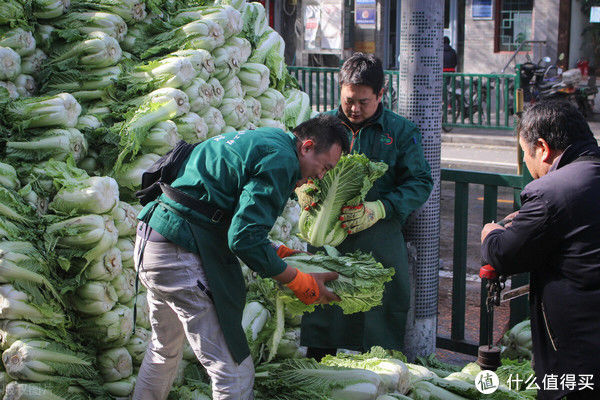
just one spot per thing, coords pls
(420, 100)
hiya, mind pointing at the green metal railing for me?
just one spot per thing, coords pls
(468, 100)
(321, 85)
(479, 100)
(491, 182)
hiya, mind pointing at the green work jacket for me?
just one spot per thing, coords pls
(250, 175)
(404, 188)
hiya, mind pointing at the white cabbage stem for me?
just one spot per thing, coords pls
(33, 63)
(105, 268)
(126, 245)
(49, 9)
(16, 305)
(191, 127)
(115, 364)
(161, 138)
(13, 93)
(171, 72)
(94, 298)
(88, 122)
(54, 143)
(138, 343)
(96, 194)
(26, 86)
(19, 40)
(100, 50)
(233, 88)
(39, 361)
(202, 60)
(254, 109)
(10, 64)
(218, 92)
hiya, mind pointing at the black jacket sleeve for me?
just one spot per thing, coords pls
(527, 243)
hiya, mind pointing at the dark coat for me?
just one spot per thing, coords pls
(556, 237)
(450, 60)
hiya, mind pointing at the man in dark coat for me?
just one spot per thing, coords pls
(556, 237)
(450, 60)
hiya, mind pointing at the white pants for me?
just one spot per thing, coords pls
(179, 309)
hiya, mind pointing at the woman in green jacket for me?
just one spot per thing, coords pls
(189, 262)
(375, 226)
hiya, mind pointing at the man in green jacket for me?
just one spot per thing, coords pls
(189, 263)
(375, 226)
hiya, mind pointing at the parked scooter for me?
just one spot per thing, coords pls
(565, 88)
(467, 105)
(584, 97)
(537, 78)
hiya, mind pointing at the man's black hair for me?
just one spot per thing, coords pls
(559, 123)
(362, 69)
(446, 40)
(324, 130)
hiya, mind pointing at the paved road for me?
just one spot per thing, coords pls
(501, 159)
(487, 150)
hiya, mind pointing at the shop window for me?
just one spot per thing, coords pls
(513, 24)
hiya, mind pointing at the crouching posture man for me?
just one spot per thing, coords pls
(189, 264)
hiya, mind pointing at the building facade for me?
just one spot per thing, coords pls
(485, 33)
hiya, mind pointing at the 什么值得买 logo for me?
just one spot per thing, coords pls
(487, 382)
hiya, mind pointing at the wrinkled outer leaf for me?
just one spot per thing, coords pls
(296, 379)
(360, 283)
(346, 184)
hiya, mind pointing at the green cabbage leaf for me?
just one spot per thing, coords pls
(360, 283)
(346, 184)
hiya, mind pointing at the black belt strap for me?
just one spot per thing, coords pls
(206, 291)
(214, 213)
(143, 242)
(202, 287)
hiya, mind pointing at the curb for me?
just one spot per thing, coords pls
(507, 140)
(479, 166)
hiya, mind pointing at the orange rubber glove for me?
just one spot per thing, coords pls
(304, 287)
(284, 251)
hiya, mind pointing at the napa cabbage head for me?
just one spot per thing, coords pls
(346, 184)
(11, 63)
(255, 21)
(297, 108)
(8, 177)
(360, 283)
(121, 388)
(394, 373)
(96, 194)
(308, 379)
(270, 52)
(137, 345)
